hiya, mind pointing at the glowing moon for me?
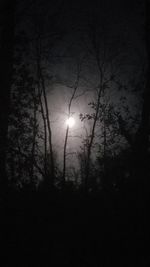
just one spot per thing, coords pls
(70, 122)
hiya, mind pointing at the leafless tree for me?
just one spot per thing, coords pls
(7, 29)
(99, 56)
(45, 114)
(72, 98)
(139, 140)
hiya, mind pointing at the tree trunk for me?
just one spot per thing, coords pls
(67, 130)
(46, 119)
(52, 178)
(33, 140)
(64, 156)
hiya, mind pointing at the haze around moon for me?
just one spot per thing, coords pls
(70, 122)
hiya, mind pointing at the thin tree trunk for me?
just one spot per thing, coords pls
(99, 65)
(45, 135)
(45, 115)
(42, 111)
(91, 141)
(34, 140)
(67, 130)
(49, 132)
(105, 143)
(64, 156)
(93, 129)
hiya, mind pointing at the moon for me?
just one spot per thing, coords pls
(70, 122)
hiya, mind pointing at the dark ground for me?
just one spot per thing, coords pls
(70, 229)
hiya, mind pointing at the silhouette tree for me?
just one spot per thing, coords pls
(7, 13)
(27, 163)
(75, 88)
(139, 140)
(99, 51)
(45, 116)
(23, 128)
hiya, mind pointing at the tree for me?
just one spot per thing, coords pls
(45, 37)
(23, 128)
(7, 13)
(140, 143)
(45, 115)
(27, 162)
(98, 50)
(75, 87)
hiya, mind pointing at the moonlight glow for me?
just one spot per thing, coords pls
(70, 122)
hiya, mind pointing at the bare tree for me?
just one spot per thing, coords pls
(72, 98)
(45, 114)
(7, 25)
(139, 141)
(45, 130)
(34, 135)
(99, 56)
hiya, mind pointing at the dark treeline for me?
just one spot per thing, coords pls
(106, 191)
